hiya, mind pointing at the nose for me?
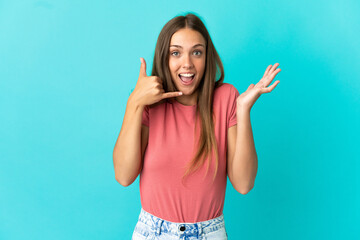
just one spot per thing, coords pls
(187, 62)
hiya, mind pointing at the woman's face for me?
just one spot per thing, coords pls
(187, 63)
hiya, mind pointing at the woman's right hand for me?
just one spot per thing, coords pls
(149, 89)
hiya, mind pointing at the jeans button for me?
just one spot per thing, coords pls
(182, 228)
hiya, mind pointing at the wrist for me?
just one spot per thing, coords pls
(241, 109)
(133, 101)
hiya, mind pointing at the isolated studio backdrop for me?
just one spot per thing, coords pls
(67, 69)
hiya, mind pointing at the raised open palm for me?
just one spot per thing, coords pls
(247, 99)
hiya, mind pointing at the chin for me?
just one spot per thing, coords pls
(186, 91)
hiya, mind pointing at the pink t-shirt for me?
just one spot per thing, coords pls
(170, 147)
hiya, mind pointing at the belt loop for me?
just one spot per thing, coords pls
(159, 227)
(199, 229)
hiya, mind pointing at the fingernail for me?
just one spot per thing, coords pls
(180, 93)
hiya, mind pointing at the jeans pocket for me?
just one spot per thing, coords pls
(138, 236)
(141, 232)
(219, 234)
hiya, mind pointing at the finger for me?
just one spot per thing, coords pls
(266, 71)
(170, 94)
(159, 80)
(250, 87)
(142, 68)
(270, 77)
(269, 89)
(273, 68)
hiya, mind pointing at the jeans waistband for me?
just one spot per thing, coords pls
(159, 225)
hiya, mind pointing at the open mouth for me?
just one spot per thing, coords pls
(186, 79)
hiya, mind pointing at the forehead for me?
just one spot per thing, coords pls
(186, 37)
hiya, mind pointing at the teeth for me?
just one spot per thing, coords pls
(187, 74)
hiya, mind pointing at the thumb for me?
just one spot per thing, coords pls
(142, 68)
(250, 87)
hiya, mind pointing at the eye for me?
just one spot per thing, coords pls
(175, 53)
(197, 53)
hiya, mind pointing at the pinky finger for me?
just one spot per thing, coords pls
(270, 88)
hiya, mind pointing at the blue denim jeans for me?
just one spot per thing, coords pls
(150, 227)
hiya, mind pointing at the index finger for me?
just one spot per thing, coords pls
(171, 94)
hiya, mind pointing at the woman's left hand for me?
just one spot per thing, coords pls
(247, 99)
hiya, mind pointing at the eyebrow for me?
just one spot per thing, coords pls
(196, 45)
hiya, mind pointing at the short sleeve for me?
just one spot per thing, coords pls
(233, 95)
(145, 116)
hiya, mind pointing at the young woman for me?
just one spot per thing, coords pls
(181, 124)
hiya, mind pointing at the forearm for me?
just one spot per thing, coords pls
(127, 150)
(245, 161)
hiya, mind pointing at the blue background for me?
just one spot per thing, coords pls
(67, 69)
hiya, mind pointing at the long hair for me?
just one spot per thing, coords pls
(213, 69)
